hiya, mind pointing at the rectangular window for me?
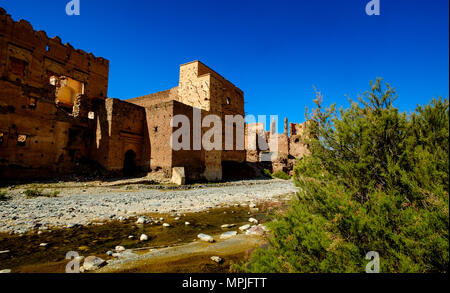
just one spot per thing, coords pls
(17, 66)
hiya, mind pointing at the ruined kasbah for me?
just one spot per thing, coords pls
(56, 119)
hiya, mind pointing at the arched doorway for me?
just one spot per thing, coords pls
(129, 164)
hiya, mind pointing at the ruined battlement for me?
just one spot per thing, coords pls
(31, 57)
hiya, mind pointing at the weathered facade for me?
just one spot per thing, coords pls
(55, 114)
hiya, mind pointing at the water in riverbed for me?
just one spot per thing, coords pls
(26, 254)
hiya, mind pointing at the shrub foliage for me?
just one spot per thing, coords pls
(377, 180)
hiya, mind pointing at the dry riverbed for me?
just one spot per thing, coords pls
(38, 232)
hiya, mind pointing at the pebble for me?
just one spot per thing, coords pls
(119, 248)
(205, 237)
(228, 235)
(43, 244)
(6, 271)
(143, 237)
(245, 227)
(4, 251)
(166, 225)
(92, 263)
(225, 226)
(109, 253)
(187, 223)
(216, 259)
(140, 220)
(253, 221)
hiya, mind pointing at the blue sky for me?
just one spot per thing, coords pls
(275, 51)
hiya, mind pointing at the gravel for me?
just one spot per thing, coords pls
(20, 214)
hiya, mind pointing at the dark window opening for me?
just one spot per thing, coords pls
(17, 66)
(297, 140)
(155, 129)
(228, 101)
(47, 48)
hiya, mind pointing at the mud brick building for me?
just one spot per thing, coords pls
(55, 113)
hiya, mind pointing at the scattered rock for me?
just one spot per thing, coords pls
(187, 223)
(130, 237)
(252, 205)
(228, 235)
(245, 227)
(225, 226)
(43, 244)
(166, 225)
(177, 218)
(253, 221)
(120, 248)
(109, 253)
(205, 237)
(258, 230)
(216, 259)
(6, 271)
(92, 263)
(143, 237)
(4, 251)
(140, 220)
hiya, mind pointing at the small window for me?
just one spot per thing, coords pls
(32, 103)
(91, 115)
(228, 101)
(17, 66)
(21, 140)
(47, 48)
(155, 129)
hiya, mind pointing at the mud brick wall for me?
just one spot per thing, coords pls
(125, 129)
(40, 139)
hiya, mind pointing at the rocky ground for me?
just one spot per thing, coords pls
(85, 204)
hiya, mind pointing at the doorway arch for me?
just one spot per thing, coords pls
(129, 164)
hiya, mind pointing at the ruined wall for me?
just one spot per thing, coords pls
(38, 137)
(156, 98)
(124, 129)
(158, 119)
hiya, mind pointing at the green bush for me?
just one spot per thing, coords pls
(267, 173)
(377, 180)
(281, 175)
(35, 192)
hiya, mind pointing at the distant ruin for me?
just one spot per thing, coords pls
(55, 114)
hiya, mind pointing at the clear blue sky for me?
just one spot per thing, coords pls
(275, 51)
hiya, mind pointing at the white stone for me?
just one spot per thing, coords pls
(216, 259)
(228, 235)
(252, 205)
(43, 244)
(119, 248)
(178, 176)
(187, 223)
(109, 253)
(6, 271)
(166, 225)
(92, 263)
(245, 227)
(177, 218)
(258, 230)
(140, 220)
(143, 237)
(253, 220)
(205, 237)
(225, 226)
